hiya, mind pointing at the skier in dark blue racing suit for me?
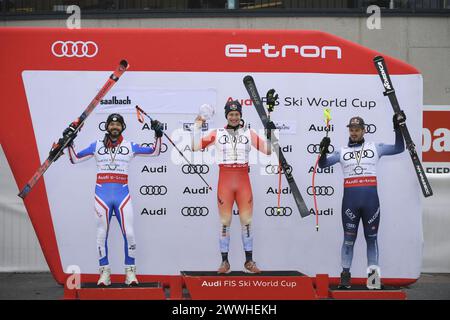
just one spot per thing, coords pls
(360, 202)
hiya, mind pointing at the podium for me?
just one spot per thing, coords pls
(116, 291)
(267, 285)
(208, 285)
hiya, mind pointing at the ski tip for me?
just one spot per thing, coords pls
(24, 191)
(248, 78)
(378, 58)
(317, 228)
(124, 64)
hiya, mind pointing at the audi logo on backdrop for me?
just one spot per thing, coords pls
(163, 146)
(351, 155)
(274, 169)
(283, 212)
(153, 190)
(370, 128)
(321, 190)
(77, 49)
(315, 148)
(194, 211)
(195, 168)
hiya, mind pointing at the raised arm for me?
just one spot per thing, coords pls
(83, 155)
(324, 160)
(147, 151)
(197, 142)
(259, 143)
(391, 149)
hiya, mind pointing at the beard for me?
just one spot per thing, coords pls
(114, 134)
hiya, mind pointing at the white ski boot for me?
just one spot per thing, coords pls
(105, 276)
(373, 278)
(130, 272)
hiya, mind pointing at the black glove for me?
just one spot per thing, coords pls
(270, 126)
(324, 144)
(398, 119)
(157, 127)
(271, 99)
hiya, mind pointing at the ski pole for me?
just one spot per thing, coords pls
(141, 112)
(327, 118)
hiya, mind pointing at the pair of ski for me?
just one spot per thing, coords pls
(389, 92)
(70, 133)
(380, 65)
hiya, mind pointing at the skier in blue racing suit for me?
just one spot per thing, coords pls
(112, 197)
(360, 202)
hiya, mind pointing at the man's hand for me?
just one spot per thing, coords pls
(398, 119)
(269, 128)
(158, 128)
(271, 99)
(324, 144)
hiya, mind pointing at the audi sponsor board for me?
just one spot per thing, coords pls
(172, 90)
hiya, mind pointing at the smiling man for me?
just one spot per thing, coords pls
(112, 197)
(360, 202)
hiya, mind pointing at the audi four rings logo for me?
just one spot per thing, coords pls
(102, 126)
(272, 169)
(370, 128)
(321, 190)
(194, 211)
(195, 168)
(273, 211)
(78, 49)
(122, 150)
(239, 139)
(163, 146)
(351, 155)
(315, 148)
(153, 190)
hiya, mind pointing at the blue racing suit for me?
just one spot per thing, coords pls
(112, 196)
(360, 200)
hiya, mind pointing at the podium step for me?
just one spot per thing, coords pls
(360, 292)
(268, 285)
(117, 291)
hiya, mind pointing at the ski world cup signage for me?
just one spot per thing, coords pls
(176, 223)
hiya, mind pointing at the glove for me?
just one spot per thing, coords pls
(157, 127)
(324, 144)
(398, 119)
(269, 128)
(271, 99)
